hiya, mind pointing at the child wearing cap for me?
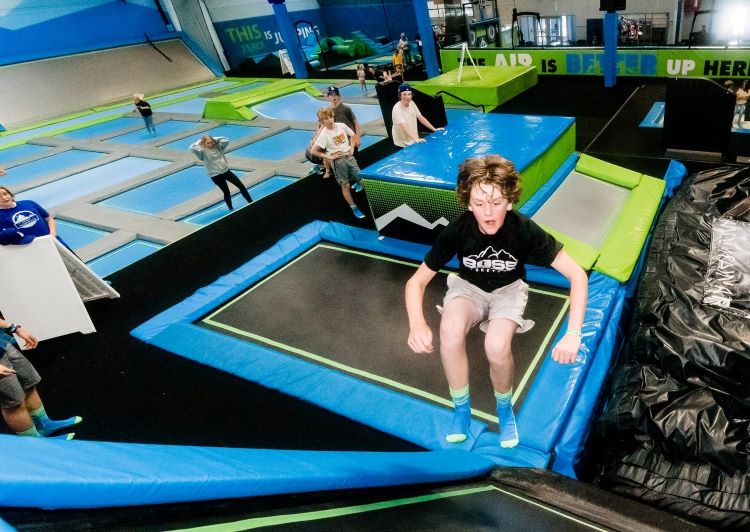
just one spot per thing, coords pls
(404, 117)
(333, 144)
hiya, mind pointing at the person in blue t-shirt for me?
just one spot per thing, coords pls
(22, 221)
(493, 243)
(20, 403)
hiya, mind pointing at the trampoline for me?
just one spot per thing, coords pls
(276, 147)
(257, 192)
(122, 256)
(164, 193)
(103, 128)
(302, 106)
(95, 179)
(59, 162)
(163, 129)
(351, 90)
(231, 131)
(77, 235)
(18, 153)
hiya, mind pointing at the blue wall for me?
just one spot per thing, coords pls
(28, 31)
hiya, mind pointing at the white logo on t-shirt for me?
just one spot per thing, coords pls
(490, 260)
(24, 219)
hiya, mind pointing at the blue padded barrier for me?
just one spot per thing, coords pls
(55, 474)
(535, 202)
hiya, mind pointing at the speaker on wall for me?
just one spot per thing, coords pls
(611, 5)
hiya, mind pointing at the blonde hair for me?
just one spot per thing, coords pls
(137, 97)
(325, 112)
(493, 170)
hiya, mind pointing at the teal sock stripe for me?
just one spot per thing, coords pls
(503, 397)
(460, 396)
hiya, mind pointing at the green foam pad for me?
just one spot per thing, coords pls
(611, 173)
(583, 254)
(235, 106)
(623, 246)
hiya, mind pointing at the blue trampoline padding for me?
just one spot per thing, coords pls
(675, 174)
(103, 128)
(519, 138)
(302, 106)
(20, 152)
(551, 396)
(654, 117)
(48, 165)
(74, 186)
(540, 197)
(52, 474)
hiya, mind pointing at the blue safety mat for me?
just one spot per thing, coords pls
(164, 129)
(519, 138)
(278, 146)
(166, 192)
(77, 235)
(233, 132)
(48, 165)
(97, 178)
(21, 152)
(302, 106)
(258, 192)
(122, 256)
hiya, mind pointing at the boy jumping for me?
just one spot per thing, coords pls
(493, 243)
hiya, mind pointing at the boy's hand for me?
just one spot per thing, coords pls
(566, 350)
(5, 371)
(420, 339)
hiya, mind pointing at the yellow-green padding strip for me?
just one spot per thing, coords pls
(539, 171)
(583, 254)
(608, 172)
(624, 242)
(235, 106)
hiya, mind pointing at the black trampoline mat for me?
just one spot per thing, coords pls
(344, 309)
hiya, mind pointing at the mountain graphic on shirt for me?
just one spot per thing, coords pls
(491, 260)
(24, 219)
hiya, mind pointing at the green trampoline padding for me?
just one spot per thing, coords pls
(611, 173)
(619, 252)
(496, 86)
(235, 106)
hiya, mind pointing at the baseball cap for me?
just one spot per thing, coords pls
(332, 90)
(404, 87)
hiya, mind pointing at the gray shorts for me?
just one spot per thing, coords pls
(507, 302)
(345, 169)
(13, 387)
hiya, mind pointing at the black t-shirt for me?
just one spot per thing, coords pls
(492, 261)
(144, 108)
(343, 113)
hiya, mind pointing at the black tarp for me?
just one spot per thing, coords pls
(675, 432)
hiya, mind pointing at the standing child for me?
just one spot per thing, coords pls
(210, 150)
(488, 292)
(361, 73)
(145, 109)
(334, 144)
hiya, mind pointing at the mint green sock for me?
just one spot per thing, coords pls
(30, 432)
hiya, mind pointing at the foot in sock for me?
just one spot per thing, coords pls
(359, 214)
(506, 419)
(47, 426)
(357, 187)
(68, 436)
(459, 429)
